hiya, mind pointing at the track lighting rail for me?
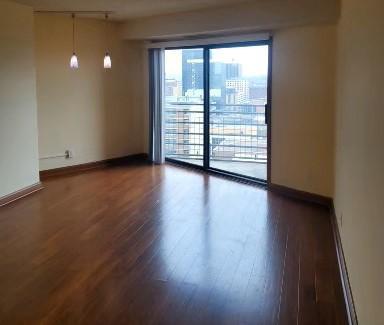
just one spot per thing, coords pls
(76, 12)
(74, 62)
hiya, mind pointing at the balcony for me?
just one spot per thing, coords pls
(238, 136)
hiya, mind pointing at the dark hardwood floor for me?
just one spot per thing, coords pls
(147, 244)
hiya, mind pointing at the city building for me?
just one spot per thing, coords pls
(192, 162)
(193, 70)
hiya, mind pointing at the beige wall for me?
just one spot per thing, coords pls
(243, 17)
(359, 194)
(96, 113)
(100, 114)
(18, 121)
(303, 82)
(303, 108)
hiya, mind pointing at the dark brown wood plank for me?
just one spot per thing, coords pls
(150, 244)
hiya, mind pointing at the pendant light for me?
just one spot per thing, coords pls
(74, 63)
(107, 57)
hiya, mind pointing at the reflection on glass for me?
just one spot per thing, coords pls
(184, 105)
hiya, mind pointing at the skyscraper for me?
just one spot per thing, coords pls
(193, 70)
(233, 70)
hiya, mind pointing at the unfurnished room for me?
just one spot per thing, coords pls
(192, 162)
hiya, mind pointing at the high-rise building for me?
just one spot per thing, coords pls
(172, 88)
(217, 75)
(193, 70)
(237, 91)
(221, 71)
(233, 70)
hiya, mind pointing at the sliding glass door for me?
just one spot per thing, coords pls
(238, 82)
(184, 105)
(216, 108)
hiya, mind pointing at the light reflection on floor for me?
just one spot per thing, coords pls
(250, 169)
(220, 240)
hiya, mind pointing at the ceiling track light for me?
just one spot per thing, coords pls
(107, 57)
(73, 63)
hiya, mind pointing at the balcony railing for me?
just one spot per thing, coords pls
(237, 132)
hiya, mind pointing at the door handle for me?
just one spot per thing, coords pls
(266, 113)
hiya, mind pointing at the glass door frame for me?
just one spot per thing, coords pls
(206, 126)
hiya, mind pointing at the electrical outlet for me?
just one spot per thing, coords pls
(68, 154)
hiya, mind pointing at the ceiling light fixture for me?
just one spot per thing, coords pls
(107, 57)
(74, 63)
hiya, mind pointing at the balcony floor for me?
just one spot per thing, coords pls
(250, 169)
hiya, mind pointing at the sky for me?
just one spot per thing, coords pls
(254, 60)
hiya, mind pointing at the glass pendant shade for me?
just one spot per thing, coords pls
(74, 63)
(107, 61)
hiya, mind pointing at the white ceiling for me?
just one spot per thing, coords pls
(128, 9)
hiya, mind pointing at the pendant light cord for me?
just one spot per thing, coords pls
(73, 33)
(106, 32)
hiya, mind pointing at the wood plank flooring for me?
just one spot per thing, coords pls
(145, 244)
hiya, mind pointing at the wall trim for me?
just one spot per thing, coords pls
(200, 40)
(74, 169)
(344, 278)
(301, 195)
(20, 193)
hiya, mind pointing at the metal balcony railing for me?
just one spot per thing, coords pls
(237, 132)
